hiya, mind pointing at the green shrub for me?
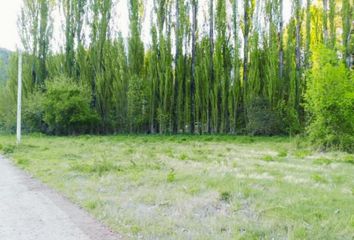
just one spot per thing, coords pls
(8, 149)
(330, 102)
(137, 104)
(33, 113)
(262, 120)
(7, 110)
(67, 108)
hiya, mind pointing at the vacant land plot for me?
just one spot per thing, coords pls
(222, 187)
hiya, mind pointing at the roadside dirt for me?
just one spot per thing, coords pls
(29, 210)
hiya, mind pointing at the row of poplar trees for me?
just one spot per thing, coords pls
(243, 69)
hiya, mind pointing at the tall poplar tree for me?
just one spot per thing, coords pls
(36, 32)
(211, 96)
(237, 88)
(347, 16)
(136, 92)
(332, 25)
(298, 20)
(325, 21)
(308, 34)
(192, 83)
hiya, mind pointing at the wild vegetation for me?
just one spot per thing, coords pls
(244, 70)
(198, 187)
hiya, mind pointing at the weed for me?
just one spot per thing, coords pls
(349, 159)
(322, 161)
(9, 149)
(282, 154)
(302, 153)
(135, 229)
(225, 196)
(22, 162)
(171, 176)
(268, 158)
(91, 205)
(97, 167)
(183, 157)
(182, 140)
(319, 178)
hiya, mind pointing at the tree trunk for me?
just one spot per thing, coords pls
(237, 82)
(211, 64)
(308, 34)
(281, 47)
(347, 32)
(175, 84)
(245, 49)
(325, 21)
(298, 52)
(192, 87)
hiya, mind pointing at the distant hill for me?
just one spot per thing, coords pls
(4, 63)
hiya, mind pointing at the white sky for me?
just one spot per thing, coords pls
(10, 9)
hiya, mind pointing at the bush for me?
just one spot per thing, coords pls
(330, 102)
(66, 108)
(262, 120)
(137, 109)
(33, 113)
(8, 110)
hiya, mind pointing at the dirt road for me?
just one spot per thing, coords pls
(31, 211)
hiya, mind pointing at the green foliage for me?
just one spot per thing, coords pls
(33, 113)
(137, 104)
(330, 102)
(8, 149)
(66, 108)
(262, 120)
(7, 111)
(136, 87)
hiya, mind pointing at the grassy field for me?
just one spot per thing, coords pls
(222, 187)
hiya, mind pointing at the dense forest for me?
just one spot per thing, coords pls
(243, 70)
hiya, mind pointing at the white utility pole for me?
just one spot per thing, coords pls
(19, 97)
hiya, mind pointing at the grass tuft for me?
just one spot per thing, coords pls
(8, 149)
(183, 157)
(322, 161)
(171, 176)
(268, 158)
(349, 159)
(282, 153)
(97, 167)
(225, 196)
(319, 178)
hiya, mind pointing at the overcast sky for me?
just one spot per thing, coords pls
(9, 11)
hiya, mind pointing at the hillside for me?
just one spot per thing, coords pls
(4, 62)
